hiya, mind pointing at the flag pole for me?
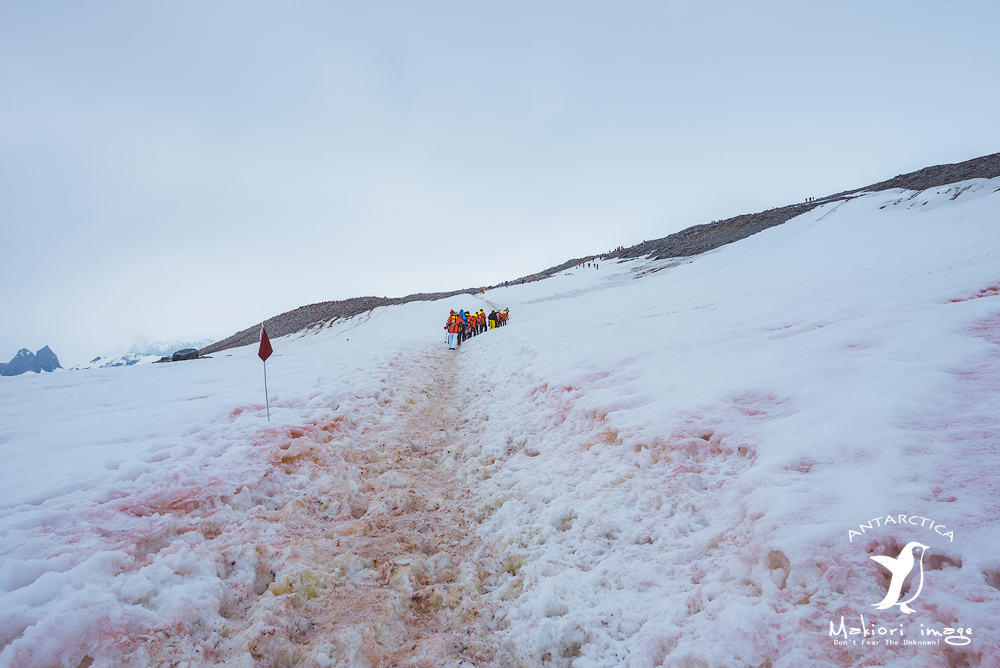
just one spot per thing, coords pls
(263, 353)
(267, 402)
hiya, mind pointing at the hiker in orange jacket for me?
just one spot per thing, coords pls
(454, 326)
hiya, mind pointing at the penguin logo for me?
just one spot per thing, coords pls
(900, 567)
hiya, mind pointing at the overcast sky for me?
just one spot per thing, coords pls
(186, 169)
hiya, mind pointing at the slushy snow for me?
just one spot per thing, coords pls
(685, 462)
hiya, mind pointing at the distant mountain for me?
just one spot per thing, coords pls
(126, 359)
(25, 360)
(141, 351)
(144, 346)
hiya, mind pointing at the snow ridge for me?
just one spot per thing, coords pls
(691, 241)
(702, 238)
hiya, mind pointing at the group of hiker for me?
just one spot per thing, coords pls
(464, 325)
(591, 263)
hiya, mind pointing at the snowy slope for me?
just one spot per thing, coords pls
(659, 463)
(694, 447)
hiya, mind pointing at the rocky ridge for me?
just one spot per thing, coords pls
(701, 238)
(319, 315)
(691, 241)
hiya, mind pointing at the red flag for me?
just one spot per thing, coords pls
(265, 345)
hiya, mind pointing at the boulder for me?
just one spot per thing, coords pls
(186, 354)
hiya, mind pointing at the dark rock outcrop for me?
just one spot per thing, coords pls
(186, 354)
(25, 360)
(986, 167)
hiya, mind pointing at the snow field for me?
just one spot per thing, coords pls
(654, 463)
(225, 548)
(687, 452)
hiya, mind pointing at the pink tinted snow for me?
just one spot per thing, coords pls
(654, 476)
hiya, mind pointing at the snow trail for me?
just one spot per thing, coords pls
(384, 575)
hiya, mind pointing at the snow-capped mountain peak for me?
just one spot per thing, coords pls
(141, 351)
